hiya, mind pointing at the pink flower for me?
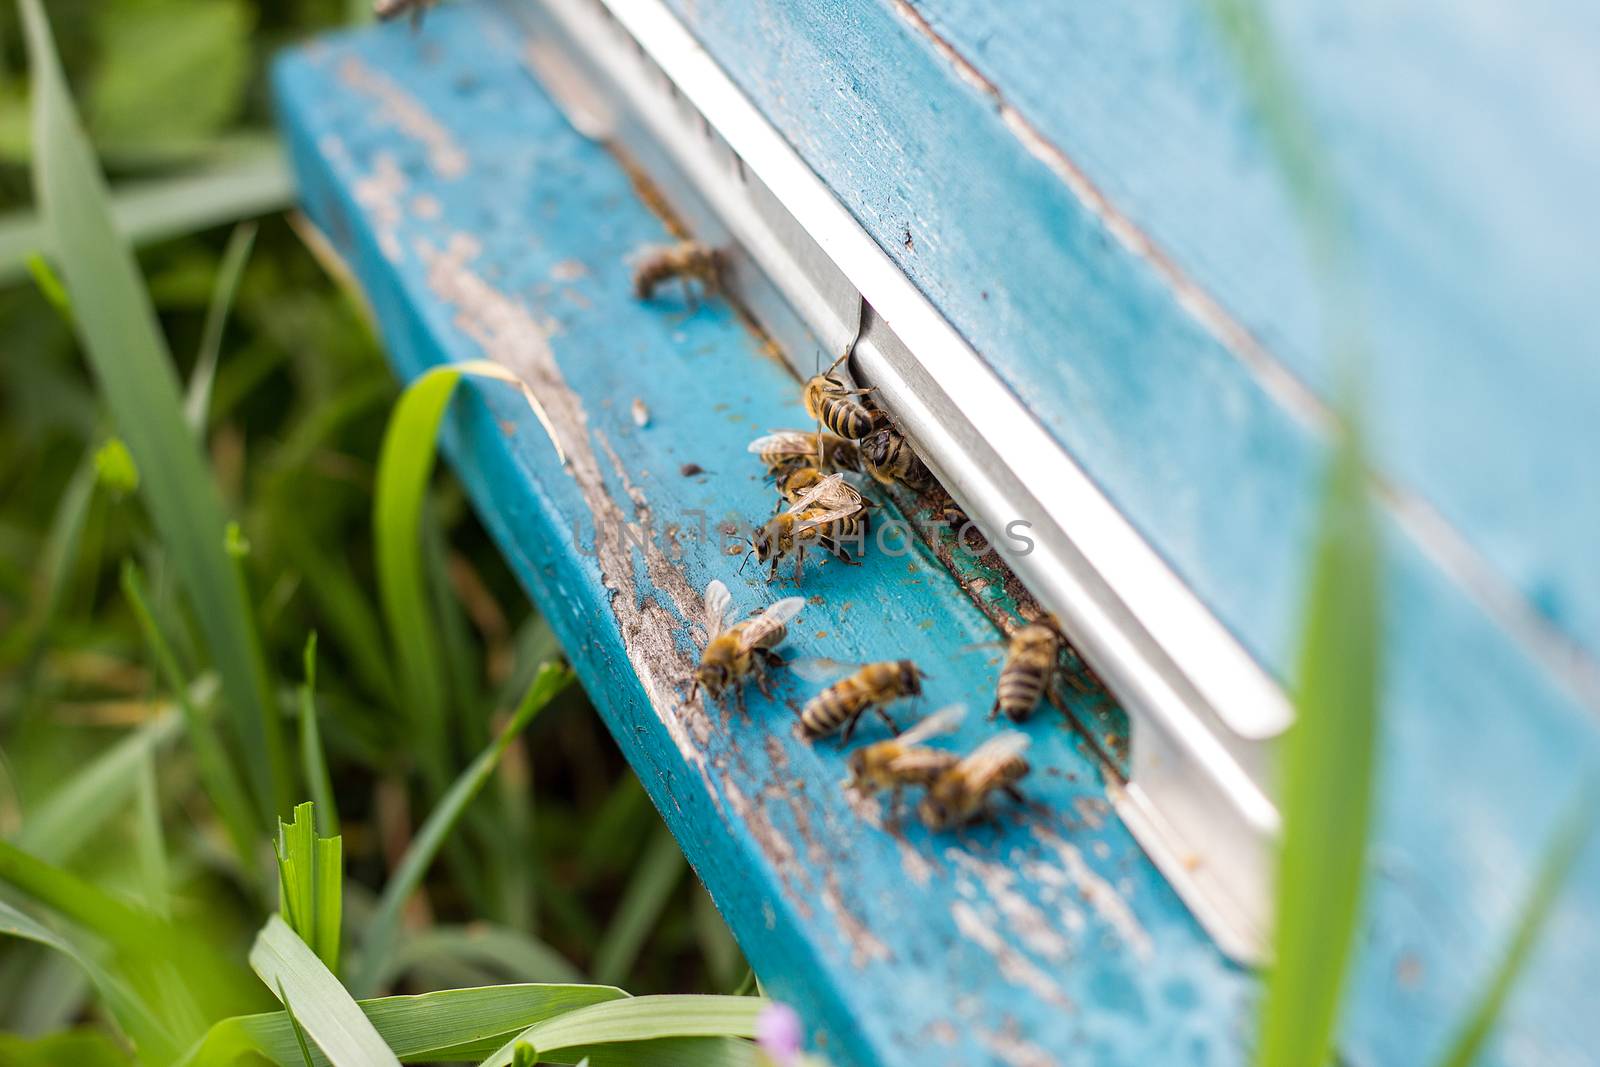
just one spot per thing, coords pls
(779, 1033)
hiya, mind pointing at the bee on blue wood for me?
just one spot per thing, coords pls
(871, 688)
(827, 514)
(687, 261)
(783, 449)
(905, 760)
(888, 458)
(836, 405)
(744, 650)
(965, 792)
(388, 10)
(1033, 656)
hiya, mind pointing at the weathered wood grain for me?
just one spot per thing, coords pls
(481, 225)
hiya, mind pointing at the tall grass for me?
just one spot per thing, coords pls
(1331, 753)
(162, 916)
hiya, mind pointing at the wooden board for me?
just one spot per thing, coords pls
(481, 225)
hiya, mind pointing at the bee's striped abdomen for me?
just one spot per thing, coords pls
(833, 707)
(845, 416)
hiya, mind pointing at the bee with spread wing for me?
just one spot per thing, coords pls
(905, 760)
(744, 650)
(831, 511)
(783, 449)
(964, 792)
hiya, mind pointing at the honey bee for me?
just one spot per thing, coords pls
(887, 457)
(842, 704)
(686, 261)
(743, 650)
(963, 793)
(830, 400)
(797, 482)
(385, 10)
(1032, 656)
(829, 512)
(904, 760)
(825, 451)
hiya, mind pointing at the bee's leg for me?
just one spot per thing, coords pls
(883, 713)
(994, 709)
(849, 728)
(1015, 794)
(763, 675)
(799, 564)
(896, 809)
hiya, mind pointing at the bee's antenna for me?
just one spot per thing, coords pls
(744, 561)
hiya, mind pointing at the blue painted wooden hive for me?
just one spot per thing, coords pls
(1082, 201)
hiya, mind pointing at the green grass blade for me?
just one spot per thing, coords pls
(1563, 852)
(313, 762)
(45, 280)
(352, 620)
(150, 847)
(197, 402)
(721, 952)
(126, 1007)
(59, 826)
(252, 183)
(217, 772)
(510, 953)
(637, 1019)
(76, 899)
(125, 348)
(336, 1024)
(453, 1024)
(385, 921)
(405, 463)
(299, 1031)
(1329, 769)
(55, 570)
(653, 880)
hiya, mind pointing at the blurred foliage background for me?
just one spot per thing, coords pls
(563, 851)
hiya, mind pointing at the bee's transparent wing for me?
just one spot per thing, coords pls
(820, 668)
(943, 721)
(718, 601)
(994, 753)
(764, 622)
(783, 610)
(784, 442)
(831, 483)
(826, 517)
